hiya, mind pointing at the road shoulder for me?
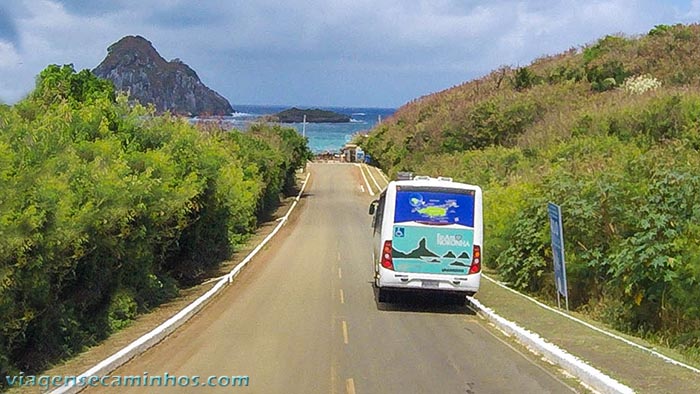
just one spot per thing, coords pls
(640, 370)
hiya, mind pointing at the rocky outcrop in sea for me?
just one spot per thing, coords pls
(134, 66)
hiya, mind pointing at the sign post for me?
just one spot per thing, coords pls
(557, 233)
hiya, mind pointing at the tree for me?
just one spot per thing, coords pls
(61, 83)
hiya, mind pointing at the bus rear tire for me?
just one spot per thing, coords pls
(459, 299)
(382, 295)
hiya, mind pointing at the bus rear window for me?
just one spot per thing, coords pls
(434, 206)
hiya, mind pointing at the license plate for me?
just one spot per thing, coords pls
(431, 284)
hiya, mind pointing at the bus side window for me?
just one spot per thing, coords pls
(379, 214)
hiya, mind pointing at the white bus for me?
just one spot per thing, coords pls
(428, 237)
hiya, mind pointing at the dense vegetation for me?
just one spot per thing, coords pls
(106, 210)
(611, 132)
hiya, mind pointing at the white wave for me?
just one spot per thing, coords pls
(353, 120)
(243, 115)
(359, 113)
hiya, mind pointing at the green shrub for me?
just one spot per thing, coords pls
(107, 210)
(122, 310)
(659, 30)
(524, 78)
(523, 263)
(606, 76)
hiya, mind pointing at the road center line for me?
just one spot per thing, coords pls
(342, 297)
(340, 273)
(350, 386)
(333, 379)
(345, 332)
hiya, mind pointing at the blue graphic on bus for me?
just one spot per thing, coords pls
(435, 207)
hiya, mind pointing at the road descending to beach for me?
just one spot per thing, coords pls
(303, 318)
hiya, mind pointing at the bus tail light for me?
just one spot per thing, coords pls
(476, 260)
(386, 256)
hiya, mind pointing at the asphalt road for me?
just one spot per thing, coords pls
(304, 319)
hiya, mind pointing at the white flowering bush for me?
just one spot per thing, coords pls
(640, 84)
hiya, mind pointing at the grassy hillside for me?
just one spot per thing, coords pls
(611, 132)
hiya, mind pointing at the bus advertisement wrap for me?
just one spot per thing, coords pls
(433, 231)
(432, 250)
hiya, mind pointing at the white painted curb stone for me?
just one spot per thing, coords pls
(590, 376)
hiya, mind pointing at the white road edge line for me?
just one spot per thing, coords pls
(600, 330)
(369, 189)
(369, 172)
(386, 179)
(159, 333)
(587, 374)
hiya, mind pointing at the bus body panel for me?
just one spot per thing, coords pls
(433, 226)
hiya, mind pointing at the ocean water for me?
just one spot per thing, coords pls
(323, 137)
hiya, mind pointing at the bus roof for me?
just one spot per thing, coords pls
(435, 182)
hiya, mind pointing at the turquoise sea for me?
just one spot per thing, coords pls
(323, 137)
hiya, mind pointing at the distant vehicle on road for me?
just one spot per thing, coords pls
(428, 237)
(404, 176)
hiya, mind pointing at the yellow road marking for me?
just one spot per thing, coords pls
(345, 332)
(342, 297)
(350, 386)
(333, 374)
(340, 273)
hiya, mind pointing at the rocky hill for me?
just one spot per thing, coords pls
(134, 66)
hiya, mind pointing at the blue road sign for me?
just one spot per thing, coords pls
(557, 232)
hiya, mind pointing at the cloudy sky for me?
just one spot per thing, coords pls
(379, 53)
